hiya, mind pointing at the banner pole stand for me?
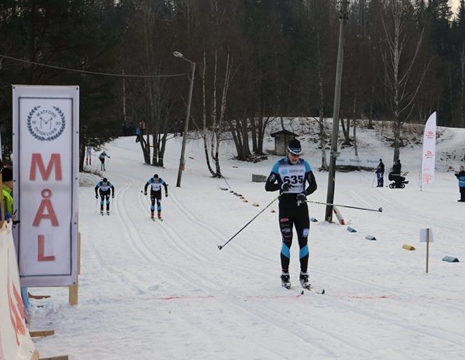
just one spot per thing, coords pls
(73, 290)
(427, 249)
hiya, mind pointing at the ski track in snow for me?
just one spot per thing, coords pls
(164, 290)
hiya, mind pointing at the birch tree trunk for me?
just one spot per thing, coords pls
(462, 86)
(204, 131)
(212, 138)
(399, 58)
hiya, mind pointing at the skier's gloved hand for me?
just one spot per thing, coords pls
(96, 196)
(301, 198)
(145, 192)
(285, 186)
(112, 196)
(166, 194)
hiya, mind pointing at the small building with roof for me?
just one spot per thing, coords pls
(281, 139)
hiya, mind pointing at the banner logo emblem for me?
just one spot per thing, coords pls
(46, 124)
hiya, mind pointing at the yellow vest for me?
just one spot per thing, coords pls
(8, 201)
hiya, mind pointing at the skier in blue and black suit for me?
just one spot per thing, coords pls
(290, 175)
(155, 184)
(103, 188)
(102, 157)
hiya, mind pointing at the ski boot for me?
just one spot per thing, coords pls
(285, 280)
(304, 280)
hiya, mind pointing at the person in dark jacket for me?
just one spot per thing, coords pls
(290, 176)
(396, 174)
(380, 173)
(460, 175)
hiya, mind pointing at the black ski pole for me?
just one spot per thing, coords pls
(267, 206)
(346, 206)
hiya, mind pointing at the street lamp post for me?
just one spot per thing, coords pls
(188, 115)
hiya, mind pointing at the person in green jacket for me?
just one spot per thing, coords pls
(7, 178)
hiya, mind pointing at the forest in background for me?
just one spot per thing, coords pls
(255, 60)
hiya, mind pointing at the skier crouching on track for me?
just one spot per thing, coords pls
(289, 175)
(104, 188)
(155, 184)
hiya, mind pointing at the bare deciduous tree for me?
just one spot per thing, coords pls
(400, 57)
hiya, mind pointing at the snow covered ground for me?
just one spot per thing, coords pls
(163, 290)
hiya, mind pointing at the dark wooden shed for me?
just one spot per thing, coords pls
(281, 139)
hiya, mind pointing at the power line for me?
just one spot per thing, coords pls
(88, 72)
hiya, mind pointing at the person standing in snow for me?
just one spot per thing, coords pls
(103, 188)
(7, 178)
(460, 175)
(102, 157)
(155, 184)
(8, 183)
(380, 173)
(88, 155)
(397, 167)
(290, 175)
(142, 127)
(137, 134)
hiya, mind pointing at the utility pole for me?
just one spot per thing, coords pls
(337, 102)
(182, 161)
(124, 100)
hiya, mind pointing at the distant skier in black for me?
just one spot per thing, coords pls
(155, 184)
(103, 188)
(380, 173)
(102, 157)
(460, 175)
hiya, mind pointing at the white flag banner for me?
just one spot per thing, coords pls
(429, 151)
